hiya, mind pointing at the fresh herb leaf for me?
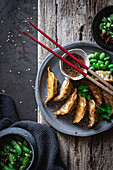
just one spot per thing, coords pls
(109, 111)
(108, 106)
(85, 90)
(88, 96)
(105, 116)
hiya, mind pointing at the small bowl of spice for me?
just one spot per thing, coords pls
(68, 71)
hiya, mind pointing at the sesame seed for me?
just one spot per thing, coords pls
(7, 40)
(24, 42)
(30, 80)
(27, 17)
(11, 35)
(35, 109)
(18, 8)
(25, 21)
(2, 22)
(27, 30)
(0, 46)
(33, 7)
(13, 40)
(10, 71)
(2, 53)
(20, 102)
(19, 35)
(9, 32)
(31, 18)
(15, 45)
(8, 36)
(3, 91)
(18, 72)
(29, 69)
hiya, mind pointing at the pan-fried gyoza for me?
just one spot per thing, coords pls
(80, 110)
(65, 90)
(69, 105)
(51, 86)
(92, 114)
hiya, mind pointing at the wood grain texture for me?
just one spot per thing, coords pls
(67, 21)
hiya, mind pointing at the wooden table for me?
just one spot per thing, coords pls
(67, 21)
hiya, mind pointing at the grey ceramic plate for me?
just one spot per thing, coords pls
(64, 123)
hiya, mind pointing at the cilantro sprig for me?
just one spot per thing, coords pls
(104, 112)
(83, 90)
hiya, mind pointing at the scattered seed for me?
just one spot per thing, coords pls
(27, 17)
(18, 8)
(33, 7)
(0, 46)
(35, 109)
(30, 80)
(29, 69)
(11, 35)
(18, 72)
(19, 35)
(3, 91)
(27, 30)
(13, 40)
(2, 53)
(7, 40)
(20, 102)
(24, 42)
(25, 21)
(31, 18)
(15, 45)
(10, 71)
(2, 22)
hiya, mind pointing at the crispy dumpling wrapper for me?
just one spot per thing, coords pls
(106, 75)
(96, 92)
(69, 105)
(80, 109)
(92, 115)
(51, 85)
(65, 90)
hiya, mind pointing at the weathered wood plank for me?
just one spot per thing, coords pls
(67, 21)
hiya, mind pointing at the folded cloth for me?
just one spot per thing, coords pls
(48, 155)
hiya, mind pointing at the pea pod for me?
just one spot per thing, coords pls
(93, 61)
(94, 65)
(102, 66)
(111, 69)
(21, 159)
(97, 54)
(110, 66)
(91, 56)
(102, 56)
(107, 63)
(98, 65)
(8, 147)
(106, 58)
(100, 62)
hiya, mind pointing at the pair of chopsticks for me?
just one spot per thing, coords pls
(107, 87)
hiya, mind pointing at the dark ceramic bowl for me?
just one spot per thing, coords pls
(15, 131)
(105, 12)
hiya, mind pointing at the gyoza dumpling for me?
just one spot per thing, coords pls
(65, 90)
(80, 110)
(69, 105)
(106, 75)
(92, 115)
(51, 86)
(96, 92)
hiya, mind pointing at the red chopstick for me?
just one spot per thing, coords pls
(78, 61)
(63, 59)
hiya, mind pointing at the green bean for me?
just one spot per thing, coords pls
(102, 56)
(19, 143)
(27, 155)
(102, 66)
(12, 158)
(93, 61)
(106, 58)
(110, 66)
(107, 63)
(25, 149)
(25, 161)
(21, 159)
(100, 62)
(17, 147)
(111, 17)
(11, 166)
(24, 142)
(8, 147)
(97, 54)
(91, 56)
(111, 69)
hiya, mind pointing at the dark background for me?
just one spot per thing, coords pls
(18, 54)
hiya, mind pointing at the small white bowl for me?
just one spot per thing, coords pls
(83, 55)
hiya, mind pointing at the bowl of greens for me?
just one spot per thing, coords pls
(17, 149)
(102, 28)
